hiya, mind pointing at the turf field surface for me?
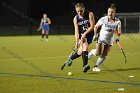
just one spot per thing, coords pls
(29, 65)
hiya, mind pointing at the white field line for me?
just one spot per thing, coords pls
(34, 58)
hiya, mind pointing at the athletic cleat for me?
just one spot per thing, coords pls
(47, 40)
(91, 53)
(86, 68)
(42, 39)
(96, 69)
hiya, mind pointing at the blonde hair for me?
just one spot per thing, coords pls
(79, 5)
(112, 6)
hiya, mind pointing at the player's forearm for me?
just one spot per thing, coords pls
(89, 30)
(76, 37)
(118, 33)
(95, 30)
(40, 24)
(49, 22)
(118, 36)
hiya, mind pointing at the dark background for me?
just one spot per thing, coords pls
(29, 12)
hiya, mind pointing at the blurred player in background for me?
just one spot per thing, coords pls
(109, 25)
(84, 25)
(44, 26)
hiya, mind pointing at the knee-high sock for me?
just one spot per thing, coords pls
(94, 52)
(74, 56)
(43, 35)
(47, 36)
(100, 60)
(85, 57)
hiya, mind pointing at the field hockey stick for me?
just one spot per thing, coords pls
(39, 29)
(66, 62)
(120, 46)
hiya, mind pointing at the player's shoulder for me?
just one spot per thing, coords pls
(103, 18)
(48, 18)
(75, 18)
(117, 19)
(42, 19)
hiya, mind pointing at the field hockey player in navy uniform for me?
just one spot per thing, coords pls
(84, 25)
(44, 25)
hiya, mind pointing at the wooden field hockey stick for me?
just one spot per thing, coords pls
(120, 46)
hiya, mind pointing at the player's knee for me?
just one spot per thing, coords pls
(97, 53)
(85, 48)
(102, 56)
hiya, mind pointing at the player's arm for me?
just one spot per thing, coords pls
(95, 30)
(41, 23)
(40, 26)
(118, 31)
(49, 21)
(92, 24)
(76, 31)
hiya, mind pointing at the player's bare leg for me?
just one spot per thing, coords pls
(102, 57)
(47, 33)
(43, 34)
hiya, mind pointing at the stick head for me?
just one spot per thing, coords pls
(62, 67)
(39, 29)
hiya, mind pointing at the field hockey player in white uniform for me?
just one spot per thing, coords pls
(109, 25)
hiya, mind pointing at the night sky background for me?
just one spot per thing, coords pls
(61, 12)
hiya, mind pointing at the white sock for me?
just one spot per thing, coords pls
(93, 51)
(100, 60)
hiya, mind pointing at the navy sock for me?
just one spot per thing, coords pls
(47, 36)
(85, 57)
(43, 35)
(75, 55)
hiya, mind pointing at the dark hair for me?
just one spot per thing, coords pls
(79, 5)
(112, 6)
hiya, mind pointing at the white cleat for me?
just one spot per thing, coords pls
(96, 69)
(91, 53)
(42, 39)
(46, 39)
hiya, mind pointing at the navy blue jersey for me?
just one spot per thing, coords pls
(84, 24)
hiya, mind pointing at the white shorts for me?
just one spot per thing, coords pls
(106, 42)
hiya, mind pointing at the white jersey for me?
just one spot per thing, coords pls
(44, 21)
(107, 30)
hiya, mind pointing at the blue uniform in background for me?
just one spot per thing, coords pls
(45, 25)
(83, 25)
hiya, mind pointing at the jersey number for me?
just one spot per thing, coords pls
(85, 27)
